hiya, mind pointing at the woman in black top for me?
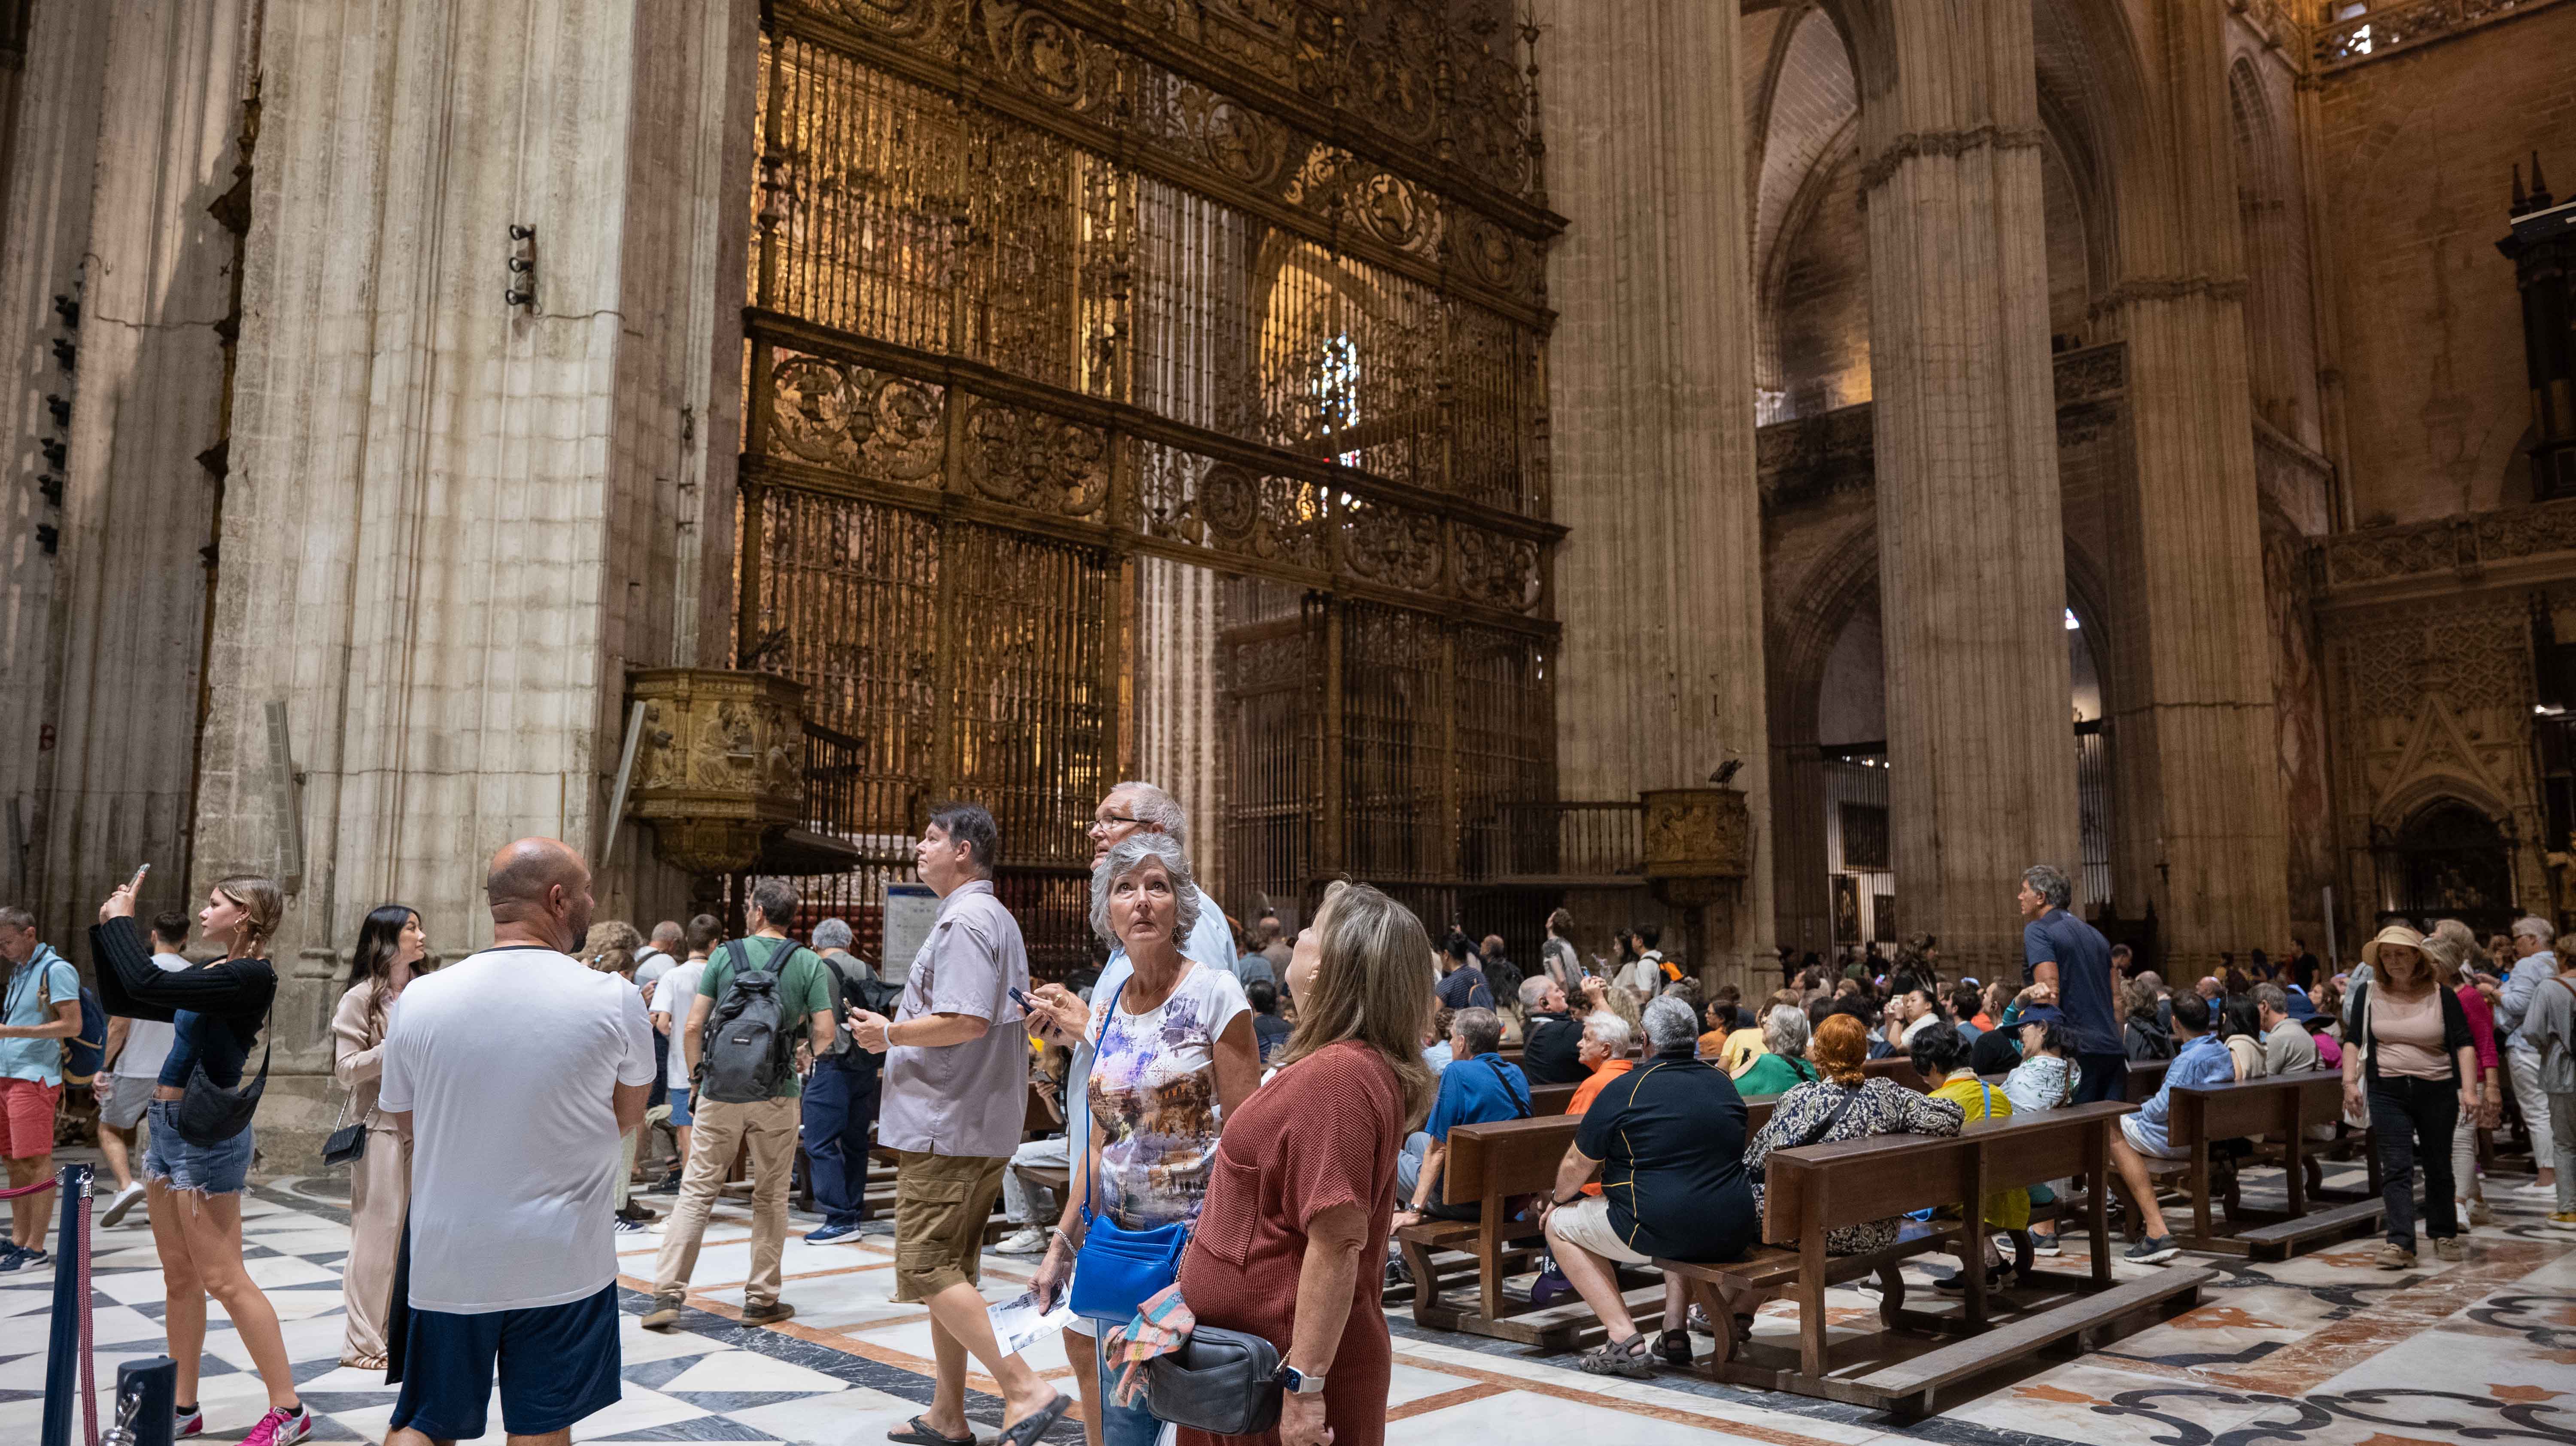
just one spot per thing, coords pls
(194, 1186)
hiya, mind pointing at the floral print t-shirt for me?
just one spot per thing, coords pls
(1153, 1095)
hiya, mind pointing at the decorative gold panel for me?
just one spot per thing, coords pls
(1697, 833)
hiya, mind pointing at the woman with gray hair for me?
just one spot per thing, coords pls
(1783, 1065)
(1173, 1058)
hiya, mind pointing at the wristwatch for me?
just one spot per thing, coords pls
(1297, 1383)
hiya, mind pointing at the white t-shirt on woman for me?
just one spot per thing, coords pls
(1153, 1092)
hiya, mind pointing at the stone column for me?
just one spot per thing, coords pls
(2197, 716)
(1660, 678)
(44, 229)
(456, 520)
(1972, 565)
(128, 625)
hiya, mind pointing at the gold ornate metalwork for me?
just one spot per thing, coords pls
(1038, 289)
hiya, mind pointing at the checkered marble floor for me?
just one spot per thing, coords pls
(2321, 1350)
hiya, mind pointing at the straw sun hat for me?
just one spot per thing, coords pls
(2397, 934)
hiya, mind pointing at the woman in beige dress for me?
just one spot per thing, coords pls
(391, 949)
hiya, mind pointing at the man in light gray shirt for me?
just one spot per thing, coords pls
(2550, 1025)
(956, 1098)
(2534, 965)
(2287, 1046)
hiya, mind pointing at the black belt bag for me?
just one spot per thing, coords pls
(210, 1114)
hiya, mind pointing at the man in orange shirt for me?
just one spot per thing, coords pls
(1604, 1051)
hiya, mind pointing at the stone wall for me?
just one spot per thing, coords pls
(2415, 153)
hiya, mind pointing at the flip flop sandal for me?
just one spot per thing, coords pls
(1029, 1428)
(917, 1432)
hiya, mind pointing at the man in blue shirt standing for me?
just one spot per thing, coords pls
(41, 1010)
(1478, 1087)
(2200, 1062)
(2063, 951)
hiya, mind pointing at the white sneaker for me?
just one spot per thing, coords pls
(2045, 1244)
(1029, 1241)
(126, 1199)
(2536, 1188)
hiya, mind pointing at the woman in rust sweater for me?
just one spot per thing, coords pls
(1299, 1204)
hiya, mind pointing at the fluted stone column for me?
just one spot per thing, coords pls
(2196, 714)
(139, 507)
(1650, 374)
(43, 232)
(1972, 570)
(455, 521)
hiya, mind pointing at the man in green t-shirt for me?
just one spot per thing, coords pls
(805, 1013)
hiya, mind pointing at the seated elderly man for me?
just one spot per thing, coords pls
(1603, 1053)
(1477, 1088)
(1667, 1141)
(1551, 1037)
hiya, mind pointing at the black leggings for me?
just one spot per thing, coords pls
(2401, 1108)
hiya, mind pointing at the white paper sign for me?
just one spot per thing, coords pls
(910, 911)
(1018, 1323)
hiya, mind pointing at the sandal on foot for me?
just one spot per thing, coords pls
(1674, 1347)
(1619, 1358)
(917, 1432)
(1026, 1430)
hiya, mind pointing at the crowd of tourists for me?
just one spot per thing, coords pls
(1249, 1114)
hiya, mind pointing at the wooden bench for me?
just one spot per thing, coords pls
(1817, 1189)
(1551, 1099)
(2277, 1106)
(1897, 1067)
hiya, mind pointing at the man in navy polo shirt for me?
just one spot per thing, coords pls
(2062, 950)
(1478, 1087)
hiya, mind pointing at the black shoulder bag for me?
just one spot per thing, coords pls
(210, 1114)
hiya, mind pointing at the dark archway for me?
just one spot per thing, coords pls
(2449, 860)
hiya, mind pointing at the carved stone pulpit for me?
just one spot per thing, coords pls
(1699, 849)
(720, 764)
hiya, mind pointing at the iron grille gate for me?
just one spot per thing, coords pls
(1040, 290)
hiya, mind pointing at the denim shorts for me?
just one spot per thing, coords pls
(209, 1169)
(680, 1112)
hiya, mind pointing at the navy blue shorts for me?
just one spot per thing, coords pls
(559, 1363)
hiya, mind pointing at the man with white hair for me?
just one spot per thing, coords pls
(842, 1091)
(1551, 1040)
(2535, 964)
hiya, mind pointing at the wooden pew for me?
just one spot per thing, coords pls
(1551, 1099)
(2274, 1106)
(1819, 1188)
(1897, 1067)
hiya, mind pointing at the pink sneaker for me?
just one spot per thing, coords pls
(188, 1423)
(281, 1427)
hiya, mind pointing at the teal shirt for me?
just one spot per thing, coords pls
(27, 1003)
(1773, 1074)
(803, 989)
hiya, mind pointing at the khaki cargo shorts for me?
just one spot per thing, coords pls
(941, 1203)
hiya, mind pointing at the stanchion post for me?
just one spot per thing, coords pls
(152, 1389)
(67, 1340)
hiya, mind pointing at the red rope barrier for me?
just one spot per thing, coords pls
(26, 1190)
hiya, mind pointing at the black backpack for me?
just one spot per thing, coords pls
(745, 1051)
(850, 993)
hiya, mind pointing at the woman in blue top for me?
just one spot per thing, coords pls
(194, 1186)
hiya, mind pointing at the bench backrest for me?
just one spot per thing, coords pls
(2266, 1104)
(1849, 1182)
(1551, 1099)
(1897, 1067)
(2146, 1076)
(1520, 1157)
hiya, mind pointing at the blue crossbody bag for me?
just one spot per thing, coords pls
(1119, 1269)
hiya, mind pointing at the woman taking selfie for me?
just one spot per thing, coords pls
(2410, 1061)
(391, 949)
(198, 1159)
(1173, 1058)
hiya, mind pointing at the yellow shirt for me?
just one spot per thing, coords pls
(2005, 1209)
